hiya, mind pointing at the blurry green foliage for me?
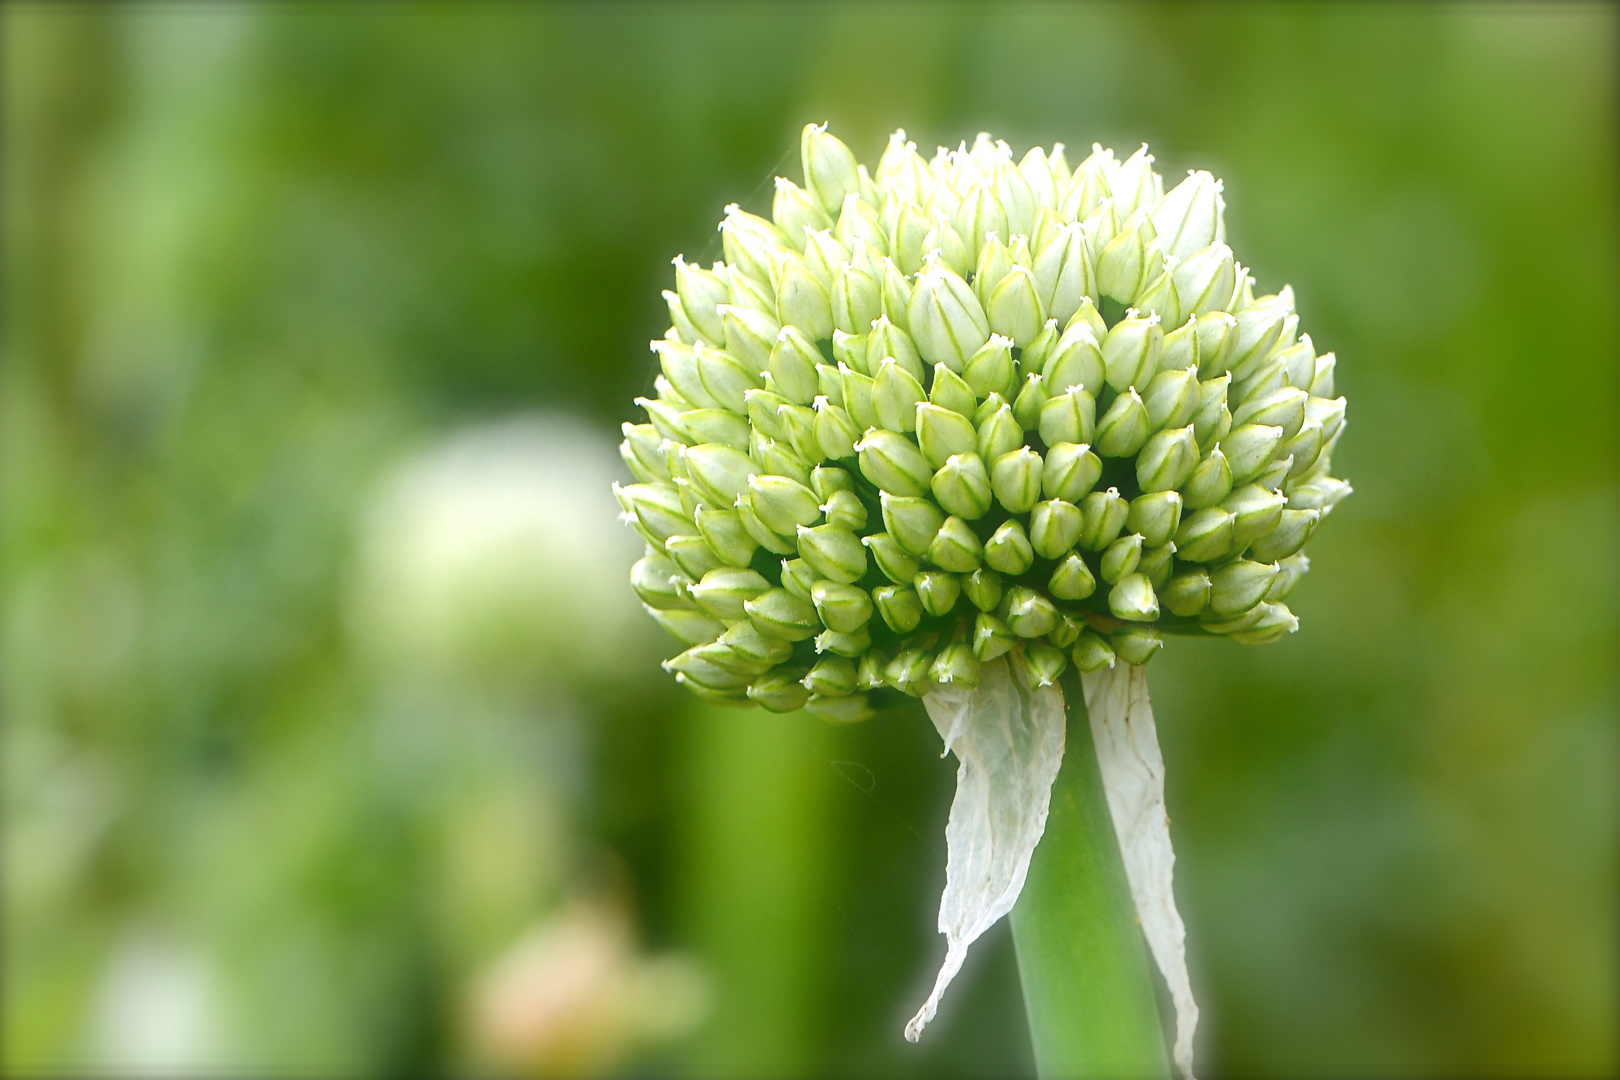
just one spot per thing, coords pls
(255, 256)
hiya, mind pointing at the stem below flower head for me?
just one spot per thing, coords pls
(1081, 958)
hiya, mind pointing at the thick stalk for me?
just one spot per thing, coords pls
(1088, 990)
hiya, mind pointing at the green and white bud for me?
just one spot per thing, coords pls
(842, 608)
(1303, 448)
(694, 671)
(1239, 585)
(1136, 645)
(764, 415)
(830, 379)
(1212, 623)
(1172, 398)
(1322, 382)
(947, 242)
(858, 396)
(1212, 421)
(913, 522)
(1327, 412)
(1015, 308)
(1269, 376)
(659, 583)
(1157, 563)
(723, 531)
(794, 211)
(722, 593)
(1032, 396)
(1033, 358)
(1028, 614)
(1321, 493)
(778, 613)
(893, 463)
(900, 607)
(869, 670)
(1187, 592)
(750, 334)
(798, 577)
(1120, 558)
(990, 370)
(1204, 536)
(895, 289)
(962, 486)
(991, 638)
(896, 395)
(830, 171)
(979, 214)
(856, 299)
(1167, 459)
(643, 454)
(999, 432)
(983, 588)
(1160, 297)
(947, 321)
(1069, 417)
(1016, 479)
(1103, 514)
(781, 504)
(1075, 360)
(908, 237)
(889, 341)
(955, 666)
(1188, 218)
(679, 366)
(833, 552)
(950, 391)
(835, 431)
(832, 676)
(894, 561)
(1249, 449)
(1275, 621)
(826, 480)
(1066, 632)
(1205, 279)
(1073, 579)
(802, 301)
(938, 590)
(1209, 484)
(1155, 516)
(656, 509)
(701, 293)
(1257, 331)
(799, 422)
(1292, 530)
(824, 255)
(1124, 261)
(1044, 663)
(1135, 185)
(1054, 527)
(955, 547)
(1217, 334)
(845, 510)
(1290, 571)
(1063, 272)
(1070, 471)
(780, 460)
(1283, 407)
(1092, 652)
(1130, 352)
(908, 672)
(1124, 428)
(693, 555)
(858, 226)
(779, 691)
(1008, 550)
(994, 263)
(1299, 362)
(1255, 511)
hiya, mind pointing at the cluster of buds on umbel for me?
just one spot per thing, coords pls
(965, 406)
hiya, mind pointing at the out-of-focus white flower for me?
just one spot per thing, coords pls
(155, 1013)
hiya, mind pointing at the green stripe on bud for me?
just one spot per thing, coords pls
(1249, 449)
(1044, 663)
(727, 659)
(1124, 427)
(753, 647)
(1157, 563)
(896, 395)
(779, 691)
(1180, 349)
(835, 431)
(946, 320)
(955, 666)
(1092, 652)
(830, 384)
(1028, 613)
(869, 670)
(1015, 308)
(1063, 272)
(1033, 358)
(1217, 336)
(1123, 262)
(688, 626)
(778, 459)
(938, 590)
(849, 350)
(771, 541)
(953, 253)
(799, 421)
(896, 293)
(1120, 559)
(856, 298)
(1294, 528)
(1103, 514)
(778, 613)
(830, 171)
(700, 672)
(857, 396)
(913, 522)
(657, 510)
(693, 555)
(900, 607)
(1054, 527)
(999, 432)
(827, 479)
(991, 638)
(845, 510)
(979, 214)
(679, 365)
(1321, 493)
(889, 341)
(1072, 580)
(824, 255)
(833, 552)
(798, 577)
(1026, 406)
(720, 473)
(1322, 381)
(1016, 479)
(1210, 483)
(994, 263)
(1212, 420)
(893, 463)
(892, 560)
(1156, 517)
(832, 676)
(700, 292)
(1290, 571)
(955, 547)
(1070, 471)
(1131, 352)
(1136, 645)
(1066, 632)
(750, 336)
(908, 672)
(1189, 216)
(1239, 585)
(794, 210)
(1172, 398)
(1303, 448)
(660, 583)
(990, 369)
(1161, 297)
(1205, 279)
(1008, 550)
(1167, 459)
(1186, 593)
(1076, 359)
(943, 432)
(1204, 536)
(1069, 417)
(801, 300)
(764, 416)
(983, 588)
(783, 504)
(950, 391)
(1257, 331)
(907, 236)
(962, 486)
(722, 593)
(1275, 621)
(1255, 511)
(723, 531)
(1283, 407)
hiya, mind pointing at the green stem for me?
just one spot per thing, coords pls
(1088, 990)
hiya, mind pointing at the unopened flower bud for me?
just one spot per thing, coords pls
(1155, 516)
(1321, 493)
(1204, 536)
(1217, 336)
(1160, 297)
(1120, 558)
(835, 431)
(845, 510)
(825, 480)
(798, 577)
(1044, 663)
(830, 171)
(979, 214)
(855, 300)
(1249, 448)
(1322, 382)
(1054, 527)
(1070, 417)
(1157, 563)
(1303, 448)
(801, 300)
(799, 423)
(1290, 571)
(1212, 421)
(779, 691)
(1257, 330)
(832, 676)
(642, 453)
(908, 237)
(778, 459)
(1136, 645)
(824, 255)
(720, 473)
(983, 588)
(858, 227)
(991, 638)
(1205, 279)
(1299, 362)
(1031, 397)
(1186, 593)
(1008, 550)
(1063, 271)
(1268, 377)
(858, 396)
(778, 613)
(659, 583)
(1075, 360)
(1124, 427)
(1172, 398)
(1072, 580)
(889, 341)
(869, 670)
(1029, 614)
(764, 415)
(990, 369)
(1292, 530)
(678, 365)
(912, 521)
(1239, 585)
(1188, 218)
(830, 382)
(1102, 514)
(1327, 412)
(1213, 623)
(953, 253)
(1180, 349)
(656, 509)
(701, 292)
(1255, 511)
(842, 608)
(693, 555)
(1275, 621)
(955, 666)
(723, 531)
(1123, 262)
(994, 263)
(723, 592)
(1015, 306)
(750, 335)
(895, 396)
(1016, 479)
(794, 210)
(893, 463)
(694, 671)
(999, 433)
(900, 607)
(1092, 652)
(962, 486)
(1283, 407)
(896, 564)
(947, 322)
(908, 672)
(1167, 459)
(1066, 632)
(938, 590)
(1070, 471)
(783, 504)
(1209, 484)
(1131, 352)
(949, 391)
(955, 547)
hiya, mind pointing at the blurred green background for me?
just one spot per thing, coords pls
(334, 743)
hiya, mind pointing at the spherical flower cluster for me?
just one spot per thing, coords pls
(967, 406)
